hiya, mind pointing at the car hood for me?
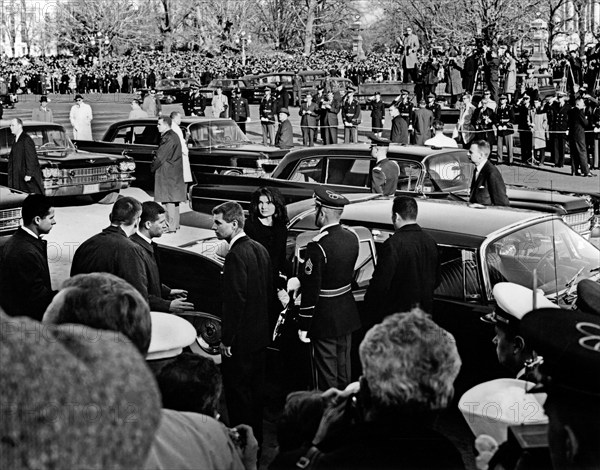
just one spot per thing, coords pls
(67, 157)
(11, 198)
(569, 202)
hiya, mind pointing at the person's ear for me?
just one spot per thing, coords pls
(519, 344)
(571, 444)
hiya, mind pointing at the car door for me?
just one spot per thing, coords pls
(140, 142)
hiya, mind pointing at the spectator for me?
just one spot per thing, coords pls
(540, 130)
(25, 285)
(81, 119)
(24, 172)
(409, 366)
(422, 122)
(136, 110)
(267, 117)
(43, 113)
(309, 114)
(504, 119)
(220, 104)
(285, 134)
(152, 104)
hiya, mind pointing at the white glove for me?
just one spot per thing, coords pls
(283, 297)
(293, 284)
(303, 336)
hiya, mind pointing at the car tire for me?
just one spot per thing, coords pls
(105, 198)
(208, 331)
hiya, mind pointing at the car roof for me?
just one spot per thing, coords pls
(6, 123)
(184, 120)
(449, 222)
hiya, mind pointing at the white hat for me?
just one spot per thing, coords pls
(514, 302)
(170, 334)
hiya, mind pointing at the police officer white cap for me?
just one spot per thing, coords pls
(170, 334)
(514, 302)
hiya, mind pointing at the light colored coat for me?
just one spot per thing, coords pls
(510, 80)
(81, 119)
(540, 128)
(185, 154)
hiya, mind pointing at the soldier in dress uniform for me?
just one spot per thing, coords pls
(282, 99)
(384, 177)
(195, 102)
(513, 303)
(267, 117)
(377, 114)
(350, 116)
(318, 99)
(405, 109)
(240, 111)
(328, 314)
(504, 120)
(559, 125)
(434, 107)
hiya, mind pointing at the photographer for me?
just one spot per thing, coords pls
(409, 365)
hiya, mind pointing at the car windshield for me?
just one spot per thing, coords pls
(215, 133)
(448, 172)
(47, 140)
(549, 252)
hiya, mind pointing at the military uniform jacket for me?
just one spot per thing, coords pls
(351, 112)
(505, 116)
(328, 309)
(239, 109)
(560, 117)
(267, 109)
(436, 109)
(377, 113)
(112, 252)
(157, 292)
(25, 287)
(384, 178)
(406, 111)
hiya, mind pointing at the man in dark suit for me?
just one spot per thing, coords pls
(247, 284)
(408, 268)
(153, 223)
(578, 124)
(111, 251)
(24, 171)
(240, 111)
(285, 134)
(487, 186)
(282, 99)
(399, 131)
(328, 313)
(25, 287)
(319, 97)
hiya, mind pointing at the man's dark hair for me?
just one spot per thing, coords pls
(406, 207)
(167, 120)
(438, 125)
(191, 383)
(231, 211)
(125, 210)
(483, 146)
(105, 302)
(35, 205)
(150, 212)
(138, 102)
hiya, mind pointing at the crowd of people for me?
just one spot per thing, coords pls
(165, 413)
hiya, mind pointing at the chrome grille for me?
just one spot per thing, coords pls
(10, 218)
(95, 174)
(580, 222)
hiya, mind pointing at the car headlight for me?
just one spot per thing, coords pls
(131, 166)
(123, 166)
(47, 172)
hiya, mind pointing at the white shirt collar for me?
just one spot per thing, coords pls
(30, 232)
(327, 226)
(239, 235)
(144, 237)
(480, 166)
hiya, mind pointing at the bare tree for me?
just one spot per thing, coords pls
(10, 22)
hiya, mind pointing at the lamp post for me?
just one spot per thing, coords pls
(102, 40)
(243, 39)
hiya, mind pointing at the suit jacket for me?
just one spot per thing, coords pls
(489, 188)
(25, 286)
(167, 167)
(285, 135)
(422, 122)
(331, 114)
(329, 265)
(399, 132)
(282, 99)
(157, 292)
(406, 275)
(247, 285)
(112, 252)
(309, 115)
(23, 161)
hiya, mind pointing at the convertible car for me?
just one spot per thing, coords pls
(66, 170)
(215, 145)
(424, 172)
(479, 247)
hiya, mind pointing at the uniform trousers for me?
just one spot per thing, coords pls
(172, 215)
(244, 383)
(350, 134)
(242, 125)
(508, 140)
(557, 148)
(331, 362)
(526, 138)
(268, 132)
